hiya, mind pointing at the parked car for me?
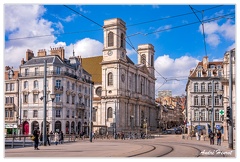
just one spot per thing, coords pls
(178, 131)
(169, 131)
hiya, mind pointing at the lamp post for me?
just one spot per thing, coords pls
(52, 96)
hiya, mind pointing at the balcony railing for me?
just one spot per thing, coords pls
(58, 89)
(80, 105)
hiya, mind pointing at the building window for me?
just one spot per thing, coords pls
(199, 74)
(99, 91)
(35, 113)
(209, 100)
(68, 112)
(203, 100)
(35, 98)
(35, 84)
(195, 87)
(58, 70)
(25, 113)
(58, 113)
(209, 73)
(220, 73)
(68, 98)
(203, 115)
(26, 72)
(217, 103)
(9, 100)
(212, 66)
(196, 100)
(152, 60)
(203, 87)
(25, 84)
(73, 99)
(36, 71)
(73, 113)
(73, 86)
(143, 59)
(109, 113)
(110, 79)
(58, 98)
(196, 115)
(25, 98)
(209, 87)
(7, 86)
(58, 83)
(122, 40)
(80, 88)
(110, 39)
(68, 85)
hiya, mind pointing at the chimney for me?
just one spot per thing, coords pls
(205, 62)
(42, 53)
(29, 55)
(22, 61)
(7, 68)
(58, 51)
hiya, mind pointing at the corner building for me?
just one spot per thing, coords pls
(69, 112)
(124, 92)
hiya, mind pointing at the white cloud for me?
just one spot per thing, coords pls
(231, 47)
(213, 40)
(176, 71)
(215, 32)
(85, 48)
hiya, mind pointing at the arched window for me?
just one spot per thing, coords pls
(35, 84)
(109, 113)
(25, 84)
(110, 79)
(110, 39)
(143, 59)
(122, 40)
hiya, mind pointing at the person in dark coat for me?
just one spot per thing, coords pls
(61, 137)
(36, 133)
(211, 137)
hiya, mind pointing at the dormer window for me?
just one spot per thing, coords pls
(200, 67)
(212, 66)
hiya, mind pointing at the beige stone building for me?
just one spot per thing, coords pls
(69, 112)
(199, 97)
(11, 100)
(124, 92)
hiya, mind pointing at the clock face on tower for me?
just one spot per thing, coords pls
(110, 53)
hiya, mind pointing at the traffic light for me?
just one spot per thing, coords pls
(228, 112)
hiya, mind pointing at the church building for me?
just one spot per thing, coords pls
(124, 92)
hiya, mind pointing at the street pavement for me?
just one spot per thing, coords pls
(111, 148)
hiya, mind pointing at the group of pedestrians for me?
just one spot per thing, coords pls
(58, 138)
(212, 135)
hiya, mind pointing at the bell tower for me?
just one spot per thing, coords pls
(114, 40)
(146, 56)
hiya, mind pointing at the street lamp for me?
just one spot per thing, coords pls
(44, 98)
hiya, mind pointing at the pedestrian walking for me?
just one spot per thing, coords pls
(48, 141)
(36, 133)
(56, 138)
(61, 137)
(197, 136)
(219, 136)
(40, 139)
(211, 137)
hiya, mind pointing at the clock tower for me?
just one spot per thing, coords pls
(114, 40)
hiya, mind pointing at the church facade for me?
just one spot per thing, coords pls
(124, 92)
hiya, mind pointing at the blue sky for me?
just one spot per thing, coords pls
(174, 30)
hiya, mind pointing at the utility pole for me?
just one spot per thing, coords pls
(45, 104)
(90, 118)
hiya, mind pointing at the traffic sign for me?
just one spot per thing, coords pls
(221, 112)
